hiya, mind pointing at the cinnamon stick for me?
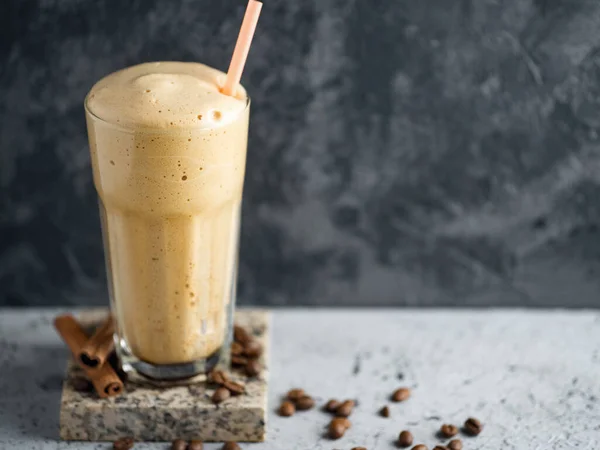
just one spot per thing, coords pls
(104, 378)
(97, 349)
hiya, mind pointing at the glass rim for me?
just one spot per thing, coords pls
(156, 130)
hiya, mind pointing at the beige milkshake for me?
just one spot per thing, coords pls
(168, 154)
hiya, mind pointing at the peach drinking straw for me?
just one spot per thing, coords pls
(242, 47)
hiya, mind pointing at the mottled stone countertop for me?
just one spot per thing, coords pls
(530, 376)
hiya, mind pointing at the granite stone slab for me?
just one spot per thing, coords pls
(150, 411)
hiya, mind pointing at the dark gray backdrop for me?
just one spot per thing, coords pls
(432, 152)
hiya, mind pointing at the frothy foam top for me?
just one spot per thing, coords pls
(165, 95)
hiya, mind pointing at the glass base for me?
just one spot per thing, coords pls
(167, 372)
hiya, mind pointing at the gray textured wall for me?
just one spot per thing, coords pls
(434, 152)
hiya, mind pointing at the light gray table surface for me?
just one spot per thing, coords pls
(533, 377)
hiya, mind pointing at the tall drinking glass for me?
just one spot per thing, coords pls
(168, 153)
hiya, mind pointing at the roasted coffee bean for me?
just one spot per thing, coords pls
(448, 430)
(231, 446)
(455, 444)
(332, 405)
(405, 439)
(440, 447)
(220, 395)
(236, 348)
(337, 428)
(253, 349)
(252, 368)
(473, 426)
(195, 445)
(420, 447)
(359, 448)
(384, 412)
(345, 421)
(400, 394)
(81, 384)
(295, 394)
(305, 402)
(239, 360)
(345, 409)
(124, 443)
(234, 388)
(240, 335)
(179, 444)
(218, 377)
(287, 408)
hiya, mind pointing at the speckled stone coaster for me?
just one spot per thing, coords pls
(149, 412)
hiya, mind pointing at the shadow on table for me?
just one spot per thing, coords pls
(30, 391)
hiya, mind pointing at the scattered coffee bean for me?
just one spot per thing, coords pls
(124, 443)
(455, 444)
(345, 421)
(238, 360)
(405, 439)
(401, 394)
(195, 445)
(420, 447)
(473, 426)
(337, 428)
(305, 402)
(448, 430)
(253, 349)
(287, 409)
(345, 409)
(240, 335)
(81, 384)
(236, 348)
(178, 444)
(332, 405)
(359, 448)
(231, 446)
(252, 368)
(220, 395)
(218, 377)
(295, 394)
(234, 388)
(440, 447)
(384, 412)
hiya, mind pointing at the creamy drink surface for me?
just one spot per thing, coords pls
(168, 154)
